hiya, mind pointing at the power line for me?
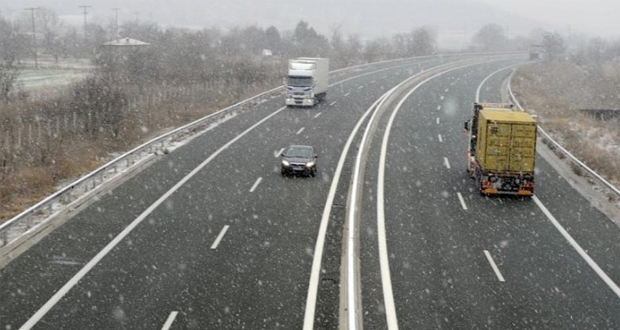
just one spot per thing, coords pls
(34, 37)
(116, 21)
(85, 10)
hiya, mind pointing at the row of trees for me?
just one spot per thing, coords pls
(214, 56)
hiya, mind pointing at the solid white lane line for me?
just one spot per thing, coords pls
(494, 266)
(278, 153)
(462, 201)
(445, 159)
(77, 277)
(386, 280)
(487, 78)
(347, 94)
(332, 103)
(300, 130)
(219, 237)
(256, 184)
(437, 120)
(439, 107)
(169, 321)
(440, 140)
(318, 114)
(313, 286)
(611, 284)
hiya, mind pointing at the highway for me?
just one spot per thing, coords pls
(211, 236)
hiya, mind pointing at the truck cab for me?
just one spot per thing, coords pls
(307, 81)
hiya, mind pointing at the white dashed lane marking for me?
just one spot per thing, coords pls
(462, 201)
(256, 184)
(170, 320)
(219, 237)
(494, 266)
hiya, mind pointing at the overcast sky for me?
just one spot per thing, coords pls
(366, 17)
(598, 17)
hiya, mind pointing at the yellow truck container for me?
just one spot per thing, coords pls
(502, 149)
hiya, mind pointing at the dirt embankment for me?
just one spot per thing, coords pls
(563, 96)
(39, 151)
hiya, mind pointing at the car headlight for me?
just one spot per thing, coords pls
(309, 164)
(286, 163)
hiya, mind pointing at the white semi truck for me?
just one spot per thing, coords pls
(307, 81)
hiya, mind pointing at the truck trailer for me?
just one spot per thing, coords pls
(307, 81)
(502, 149)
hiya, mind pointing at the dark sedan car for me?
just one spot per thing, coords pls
(298, 159)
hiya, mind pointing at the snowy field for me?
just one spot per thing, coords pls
(50, 76)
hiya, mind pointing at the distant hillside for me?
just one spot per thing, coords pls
(368, 18)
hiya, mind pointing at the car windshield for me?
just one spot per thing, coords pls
(298, 153)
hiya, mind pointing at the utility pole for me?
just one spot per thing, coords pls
(34, 37)
(116, 21)
(85, 10)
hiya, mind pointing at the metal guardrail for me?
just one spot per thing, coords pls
(559, 147)
(26, 220)
(89, 182)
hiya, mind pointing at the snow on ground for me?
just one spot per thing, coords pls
(110, 175)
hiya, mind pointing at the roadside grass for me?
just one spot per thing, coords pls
(45, 163)
(555, 91)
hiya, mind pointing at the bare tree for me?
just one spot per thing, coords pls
(49, 24)
(422, 42)
(9, 46)
(490, 37)
(376, 50)
(554, 46)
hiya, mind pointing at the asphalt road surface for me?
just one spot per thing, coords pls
(211, 236)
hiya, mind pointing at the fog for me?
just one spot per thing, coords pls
(369, 19)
